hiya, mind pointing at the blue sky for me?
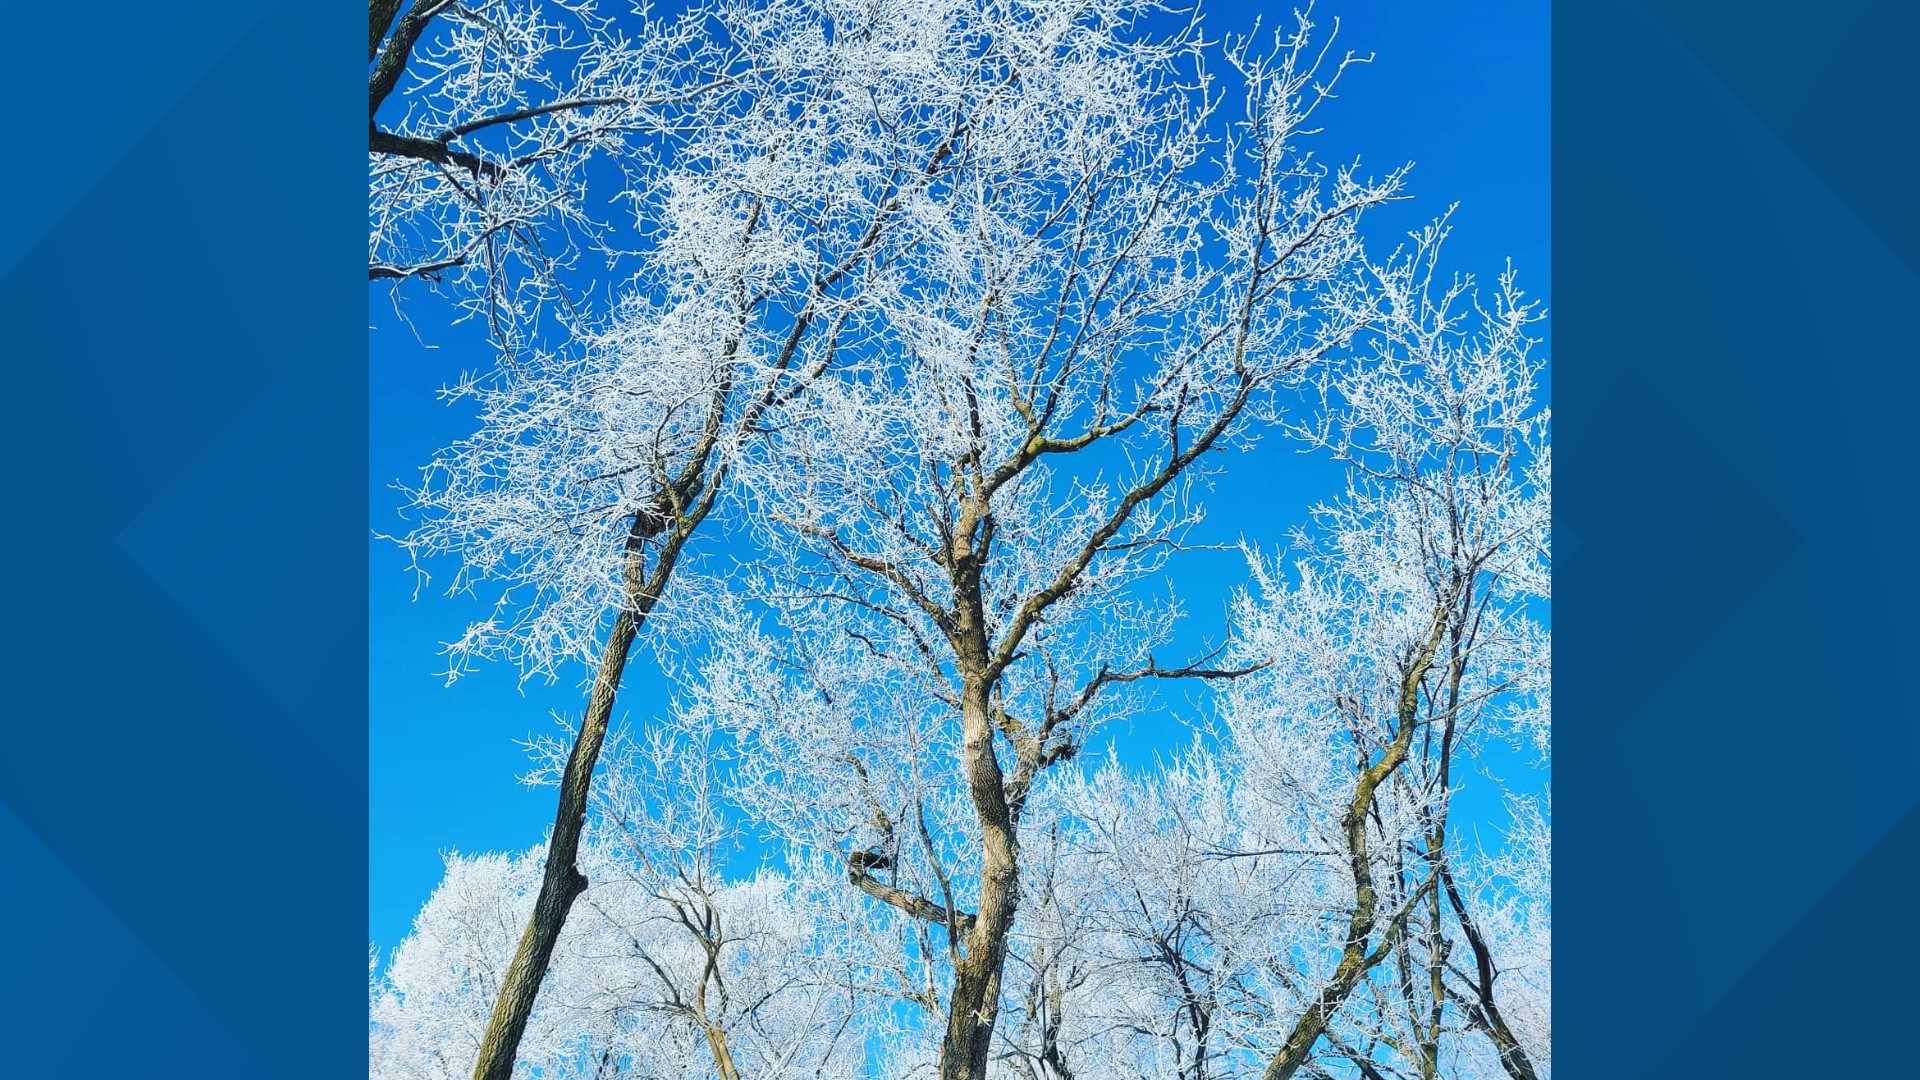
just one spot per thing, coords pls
(1459, 89)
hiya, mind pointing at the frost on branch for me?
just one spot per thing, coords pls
(763, 219)
(945, 316)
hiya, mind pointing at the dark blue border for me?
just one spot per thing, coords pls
(183, 779)
(1735, 241)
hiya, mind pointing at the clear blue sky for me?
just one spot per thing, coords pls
(1459, 89)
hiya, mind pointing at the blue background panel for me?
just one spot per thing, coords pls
(1734, 246)
(183, 782)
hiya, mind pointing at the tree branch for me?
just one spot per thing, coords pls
(1151, 671)
(413, 146)
(913, 904)
(393, 59)
(380, 15)
(472, 126)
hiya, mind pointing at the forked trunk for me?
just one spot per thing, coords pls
(1355, 958)
(722, 1053)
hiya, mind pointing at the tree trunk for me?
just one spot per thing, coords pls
(1513, 1057)
(1355, 959)
(1486, 1014)
(722, 1053)
(563, 882)
(976, 977)
(380, 15)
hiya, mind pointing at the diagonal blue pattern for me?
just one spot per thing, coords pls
(113, 961)
(220, 586)
(1671, 532)
(184, 782)
(1734, 370)
(93, 90)
(1826, 89)
(1766, 1024)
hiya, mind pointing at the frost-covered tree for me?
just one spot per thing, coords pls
(1405, 641)
(1286, 895)
(1282, 897)
(1178, 901)
(768, 205)
(1414, 629)
(642, 984)
(1126, 271)
(503, 132)
(942, 311)
(671, 967)
(1501, 901)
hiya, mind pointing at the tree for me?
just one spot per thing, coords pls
(1180, 899)
(749, 965)
(489, 121)
(1504, 918)
(948, 309)
(1191, 920)
(595, 465)
(1102, 288)
(1285, 897)
(804, 136)
(431, 1004)
(1412, 626)
(736, 979)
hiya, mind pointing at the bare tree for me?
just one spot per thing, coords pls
(653, 978)
(1504, 973)
(1285, 897)
(769, 209)
(950, 308)
(1096, 292)
(1413, 628)
(488, 120)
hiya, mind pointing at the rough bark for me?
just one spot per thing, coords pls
(976, 977)
(1355, 957)
(385, 142)
(671, 519)
(563, 882)
(392, 60)
(380, 15)
(1484, 1010)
